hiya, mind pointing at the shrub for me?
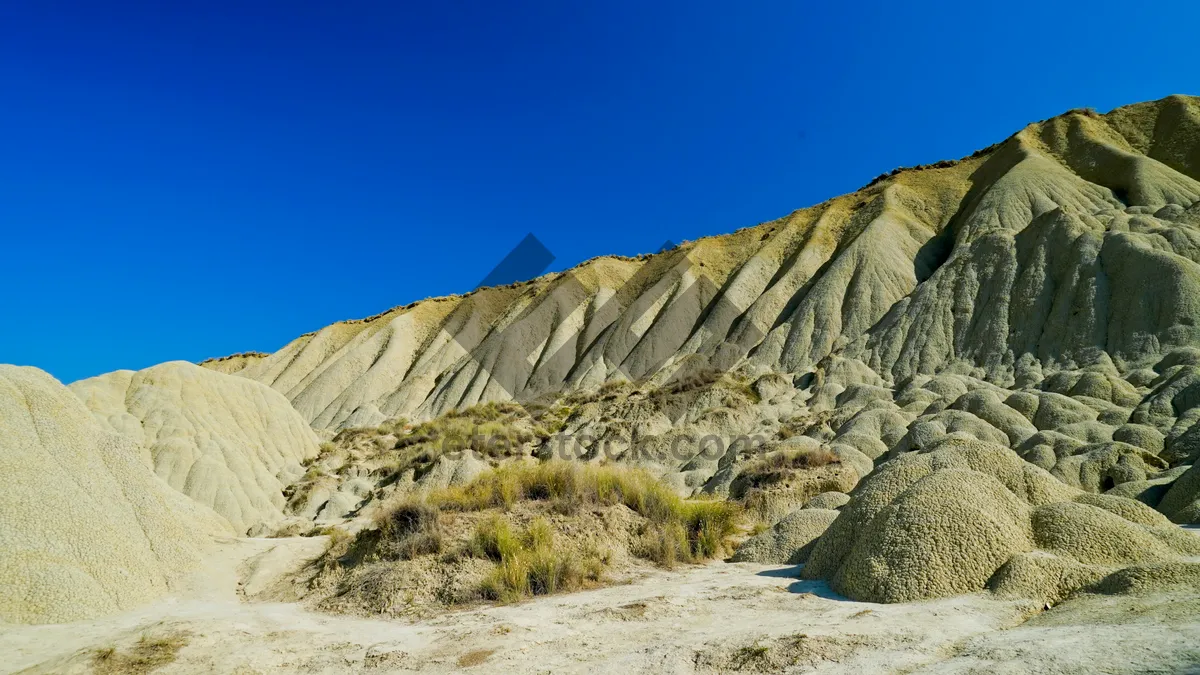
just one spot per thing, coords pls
(698, 533)
(509, 582)
(410, 529)
(709, 524)
(665, 544)
(551, 571)
(539, 534)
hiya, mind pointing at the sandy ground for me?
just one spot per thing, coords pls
(713, 618)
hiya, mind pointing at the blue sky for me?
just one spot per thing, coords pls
(182, 180)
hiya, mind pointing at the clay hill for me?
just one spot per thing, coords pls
(1073, 238)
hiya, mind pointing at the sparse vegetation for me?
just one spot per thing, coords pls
(697, 531)
(491, 429)
(149, 653)
(551, 420)
(497, 432)
(410, 529)
(679, 530)
(339, 539)
(530, 563)
(474, 657)
(777, 466)
(745, 656)
(528, 541)
(689, 382)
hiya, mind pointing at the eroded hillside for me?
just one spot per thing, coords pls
(1075, 240)
(969, 390)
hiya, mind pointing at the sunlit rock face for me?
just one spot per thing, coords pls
(1071, 246)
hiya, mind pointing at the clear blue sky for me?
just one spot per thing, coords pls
(182, 179)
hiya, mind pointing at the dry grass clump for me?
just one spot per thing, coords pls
(340, 542)
(490, 429)
(405, 531)
(551, 420)
(530, 562)
(549, 527)
(410, 529)
(474, 657)
(698, 531)
(777, 466)
(549, 413)
(679, 530)
(148, 654)
(569, 485)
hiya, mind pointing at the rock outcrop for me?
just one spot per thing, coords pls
(790, 541)
(87, 528)
(226, 442)
(965, 514)
(996, 358)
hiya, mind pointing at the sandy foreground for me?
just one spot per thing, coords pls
(718, 617)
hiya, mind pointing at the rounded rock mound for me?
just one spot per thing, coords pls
(788, 542)
(946, 521)
(85, 527)
(228, 442)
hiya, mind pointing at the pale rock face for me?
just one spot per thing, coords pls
(88, 529)
(227, 442)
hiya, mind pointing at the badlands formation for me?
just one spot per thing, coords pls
(947, 423)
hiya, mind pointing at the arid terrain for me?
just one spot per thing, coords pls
(947, 423)
(716, 617)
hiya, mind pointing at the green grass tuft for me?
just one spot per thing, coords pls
(680, 530)
(530, 563)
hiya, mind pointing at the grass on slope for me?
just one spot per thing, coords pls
(494, 431)
(482, 521)
(779, 465)
(680, 530)
(529, 562)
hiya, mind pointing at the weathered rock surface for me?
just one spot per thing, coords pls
(226, 442)
(790, 541)
(998, 358)
(966, 513)
(1075, 237)
(86, 527)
